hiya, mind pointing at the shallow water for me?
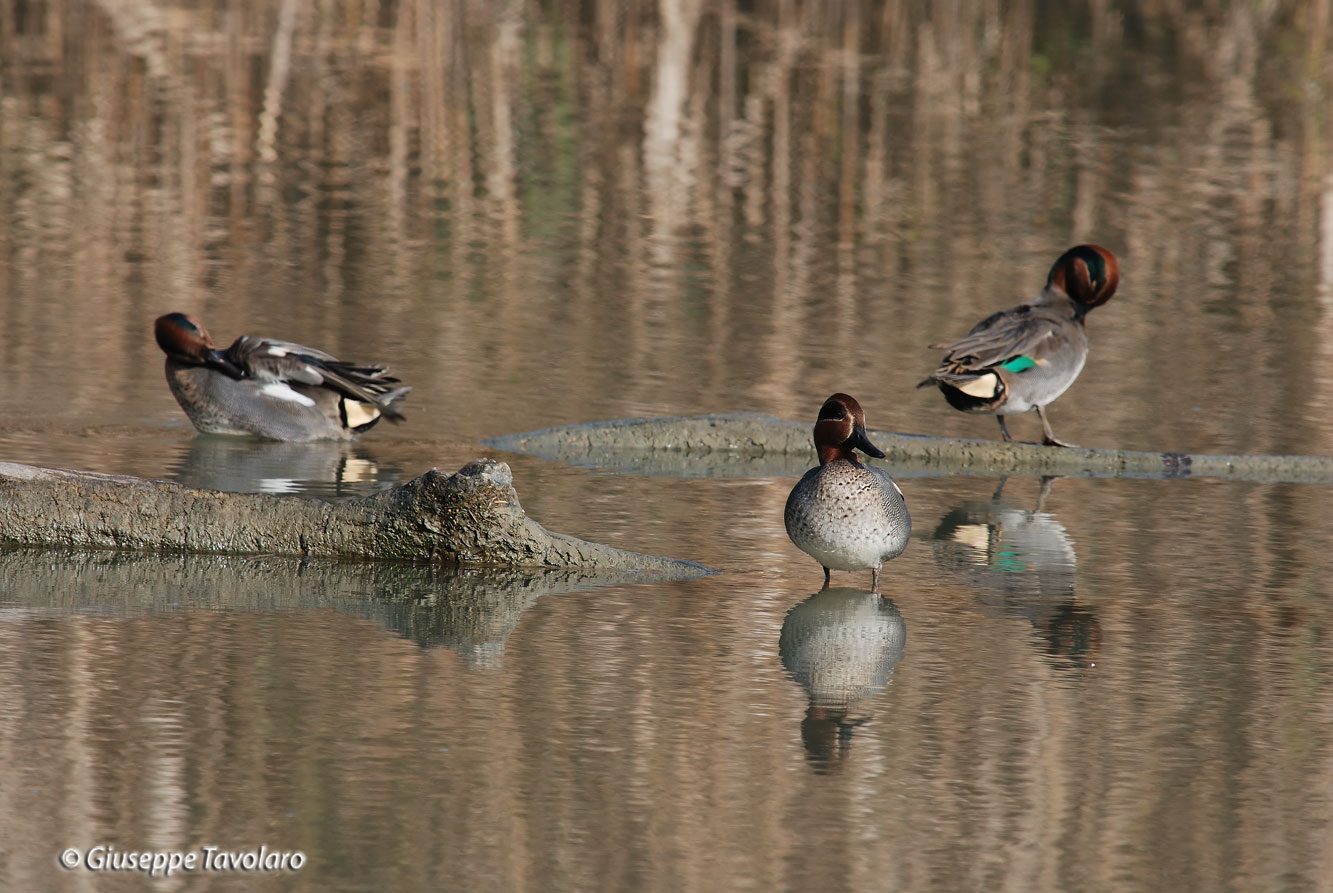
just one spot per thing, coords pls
(1094, 694)
(558, 214)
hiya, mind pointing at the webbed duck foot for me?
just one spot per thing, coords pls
(1048, 436)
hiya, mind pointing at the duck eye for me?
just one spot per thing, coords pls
(832, 410)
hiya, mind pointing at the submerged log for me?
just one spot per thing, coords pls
(472, 517)
(752, 445)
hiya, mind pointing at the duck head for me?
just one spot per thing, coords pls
(1089, 274)
(185, 340)
(840, 429)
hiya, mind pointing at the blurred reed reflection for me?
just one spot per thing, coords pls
(469, 610)
(1022, 563)
(841, 644)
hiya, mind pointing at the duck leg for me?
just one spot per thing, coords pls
(1049, 437)
(826, 578)
(1004, 429)
(874, 579)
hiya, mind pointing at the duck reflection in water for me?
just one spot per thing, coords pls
(1023, 563)
(325, 469)
(841, 645)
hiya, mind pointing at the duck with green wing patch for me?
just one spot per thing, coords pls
(1023, 358)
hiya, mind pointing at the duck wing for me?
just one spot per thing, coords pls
(268, 359)
(1028, 330)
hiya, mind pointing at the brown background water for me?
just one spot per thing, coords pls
(543, 213)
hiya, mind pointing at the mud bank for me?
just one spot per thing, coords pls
(470, 518)
(744, 444)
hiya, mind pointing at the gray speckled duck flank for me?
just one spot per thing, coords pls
(848, 517)
(843, 514)
(217, 404)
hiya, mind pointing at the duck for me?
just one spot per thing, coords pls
(277, 390)
(844, 514)
(1023, 358)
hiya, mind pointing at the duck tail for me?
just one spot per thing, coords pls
(388, 403)
(971, 391)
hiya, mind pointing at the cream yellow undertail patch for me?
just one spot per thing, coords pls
(359, 413)
(983, 388)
